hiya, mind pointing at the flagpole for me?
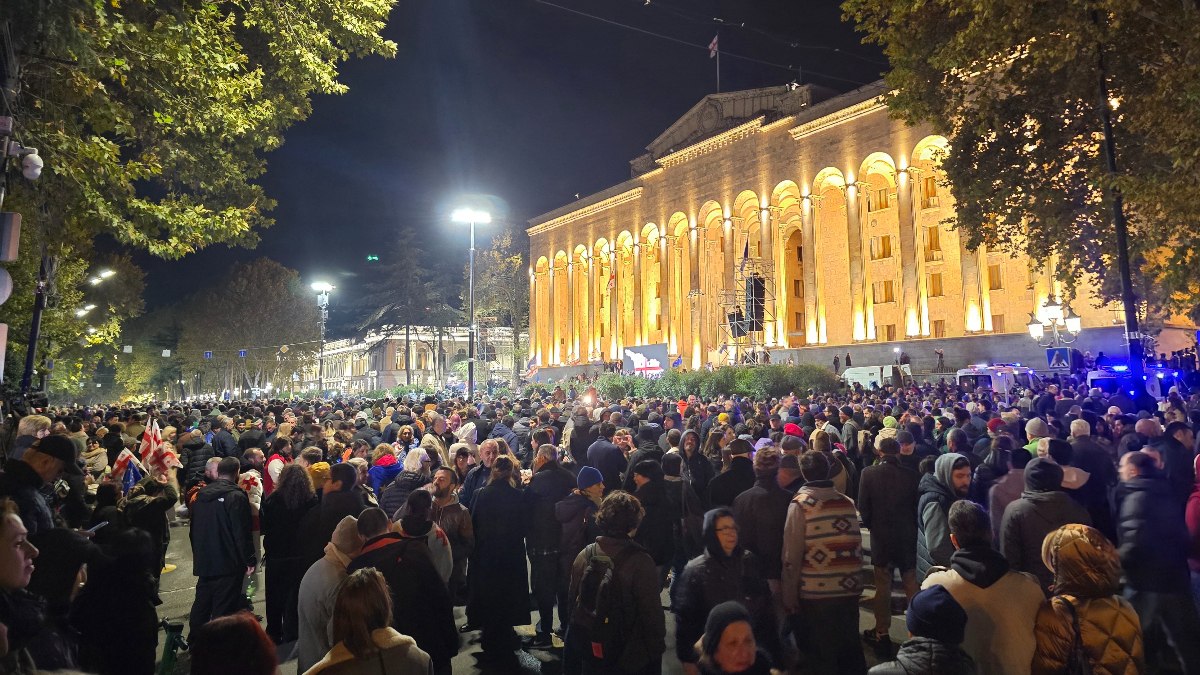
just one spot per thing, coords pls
(718, 69)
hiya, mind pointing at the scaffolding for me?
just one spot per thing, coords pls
(742, 332)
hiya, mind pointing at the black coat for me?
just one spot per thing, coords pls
(396, 494)
(421, 605)
(222, 544)
(728, 485)
(887, 504)
(924, 656)
(583, 434)
(550, 484)
(320, 521)
(499, 579)
(660, 527)
(224, 444)
(761, 513)
(280, 525)
(644, 632)
(252, 438)
(609, 460)
(194, 455)
(577, 516)
(642, 452)
(1153, 537)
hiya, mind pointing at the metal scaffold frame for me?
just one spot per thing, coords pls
(749, 348)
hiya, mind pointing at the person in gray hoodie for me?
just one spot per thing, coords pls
(950, 480)
(1042, 509)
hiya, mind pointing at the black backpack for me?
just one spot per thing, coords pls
(596, 619)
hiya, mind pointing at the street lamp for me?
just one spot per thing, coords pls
(472, 216)
(1064, 328)
(322, 288)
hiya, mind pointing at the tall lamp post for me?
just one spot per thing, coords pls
(322, 288)
(471, 216)
(1061, 322)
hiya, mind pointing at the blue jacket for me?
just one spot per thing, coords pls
(383, 475)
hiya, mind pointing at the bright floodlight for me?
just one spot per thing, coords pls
(322, 286)
(95, 281)
(80, 312)
(466, 215)
(89, 307)
(104, 274)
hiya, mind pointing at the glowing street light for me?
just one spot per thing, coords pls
(322, 288)
(471, 216)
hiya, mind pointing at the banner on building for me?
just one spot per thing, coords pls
(645, 360)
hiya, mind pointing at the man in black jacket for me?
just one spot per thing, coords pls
(338, 500)
(607, 458)
(1154, 545)
(725, 487)
(551, 483)
(223, 442)
(887, 504)
(222, 550)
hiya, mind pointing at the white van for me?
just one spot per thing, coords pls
(999, 378)
(872, 377)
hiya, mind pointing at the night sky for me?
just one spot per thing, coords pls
(518, 99)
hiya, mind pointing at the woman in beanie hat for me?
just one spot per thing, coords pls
(727, 646)
(936, 625)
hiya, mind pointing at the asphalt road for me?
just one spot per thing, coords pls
(177, 590)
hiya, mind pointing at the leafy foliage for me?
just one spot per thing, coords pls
(1017, 86)
(759, 382)
(502, 289)
(153, 117)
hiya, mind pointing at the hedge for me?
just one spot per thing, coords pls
(757, 382)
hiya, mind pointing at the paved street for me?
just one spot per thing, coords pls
(178, 589)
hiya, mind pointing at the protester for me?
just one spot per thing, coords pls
(282, 512)
(950, 481)
(550, 484)
(364, 641)
(416, 523)
(728, 646)
(1042, 508)
(222, 551)
(936, 623)
(1087, 574)
(232, 645)
(318, 593)
(20, 611)
(1000, 604)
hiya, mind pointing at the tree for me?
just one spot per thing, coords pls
(502, 290)
(153, 117)
(1017, 87)
(406, 292)
(260, 307)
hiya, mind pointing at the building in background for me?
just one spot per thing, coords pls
(376, 361)
(835, 207)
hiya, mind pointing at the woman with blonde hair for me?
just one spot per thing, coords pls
(364, 641)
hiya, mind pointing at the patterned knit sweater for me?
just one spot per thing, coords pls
(822, 545)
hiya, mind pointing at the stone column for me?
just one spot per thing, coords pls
(553, 356)
(533, 311)
(592, 344)
(639, 321)
(664, 290)
(572, 329)
(728, 250)
(972, 305)
(695, 305)
(858, 291)
(613, 297)
(766, 251)
(985, 290)
(814, 311)
(910, 268)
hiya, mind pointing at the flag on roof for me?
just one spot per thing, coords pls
(712, 46)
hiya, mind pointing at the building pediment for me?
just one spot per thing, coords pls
(718, 113)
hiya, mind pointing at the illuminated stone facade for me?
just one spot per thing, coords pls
(840, 203)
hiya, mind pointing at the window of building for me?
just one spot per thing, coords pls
(798, 322)
(881, 247)
(933, 243)
(995, 278)
(886, 332)
(934, 284)
(797, 288)
(879, 200)
(939, 328)
(800, 253)
(883, 291)
(998, 323)
(929, 193)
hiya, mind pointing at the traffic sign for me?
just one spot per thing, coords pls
(208, 355)
(241, 353)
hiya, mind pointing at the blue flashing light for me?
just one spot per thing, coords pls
(1120, 369)
(1176, 373)
(1144, 377)
(1160, 375)
(1131, 392)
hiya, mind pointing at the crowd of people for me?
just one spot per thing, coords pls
(1057, 532)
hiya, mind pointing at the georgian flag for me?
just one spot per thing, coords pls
(154, 452)
(125, 460)
(712, 46)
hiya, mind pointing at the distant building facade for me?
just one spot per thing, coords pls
(835, 206)
(377, 360)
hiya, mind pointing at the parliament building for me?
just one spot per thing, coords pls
(792, 220)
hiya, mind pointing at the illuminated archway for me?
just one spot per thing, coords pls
(652, 289)
(711, 225)
(626, 288)
(560, 311)
(681, 286)
(602, 294)
(580, 340)
(835, 319)
(792, 319)
(541, 283)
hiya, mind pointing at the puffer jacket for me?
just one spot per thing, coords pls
(195, 454)
(919, 656)
(396, 494)
(1086, 573)
(383, 472)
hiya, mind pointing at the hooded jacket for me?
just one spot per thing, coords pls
(1042, 508)
(696, 469)
(933, 508)
(919, 656)
(726, 486)
(576, 513)
(710, 579)
(583, 434)
(194, 455)
(1000, 604)
(660, 527)
(220, 531)
(1086, 574)
(384, 471)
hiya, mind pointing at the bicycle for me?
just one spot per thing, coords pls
(172, 646)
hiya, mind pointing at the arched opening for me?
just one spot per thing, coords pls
(681, 286)
(835, 307)
(792, 314)
(626, 288)
(602, 294)
(579, 303)
(711, 223)
(561, 314)
(541, 285)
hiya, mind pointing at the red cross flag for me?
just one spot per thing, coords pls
(156, 454)
(712, 46)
